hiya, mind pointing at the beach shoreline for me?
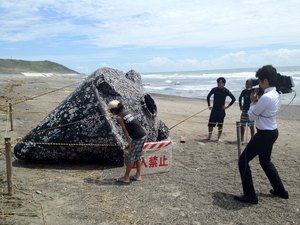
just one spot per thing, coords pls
(199, 83)
(198, 189)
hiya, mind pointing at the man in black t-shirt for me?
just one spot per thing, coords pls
(218, 114)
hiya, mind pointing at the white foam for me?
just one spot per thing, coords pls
(33, 74)
(48, 74)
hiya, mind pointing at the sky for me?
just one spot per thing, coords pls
(152, 35)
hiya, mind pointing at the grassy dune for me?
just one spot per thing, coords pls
(12, 66)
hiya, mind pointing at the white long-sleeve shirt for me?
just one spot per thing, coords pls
(264, 111)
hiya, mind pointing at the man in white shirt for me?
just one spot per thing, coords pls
(263, 110)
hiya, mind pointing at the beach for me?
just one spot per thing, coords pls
(198, 189)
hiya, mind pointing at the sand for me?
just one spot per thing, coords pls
(198, 189)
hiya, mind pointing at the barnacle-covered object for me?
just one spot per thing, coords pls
(81, 129)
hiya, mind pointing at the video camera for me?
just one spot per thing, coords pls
(283, 84)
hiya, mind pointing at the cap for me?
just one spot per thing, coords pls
(113, 104)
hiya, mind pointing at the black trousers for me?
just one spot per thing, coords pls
(261, 144)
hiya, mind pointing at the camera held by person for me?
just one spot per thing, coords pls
(283, 85)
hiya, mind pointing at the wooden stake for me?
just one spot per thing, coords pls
(238, 135)
(182, 139)
(10, 117)
(8, 165)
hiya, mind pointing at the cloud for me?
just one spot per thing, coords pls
(241, 59)
(152, 35)
(169, 23)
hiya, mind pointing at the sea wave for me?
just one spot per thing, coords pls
(197, 84)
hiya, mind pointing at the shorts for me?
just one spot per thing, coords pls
(135, 154)
(216, 117)
(245, 119)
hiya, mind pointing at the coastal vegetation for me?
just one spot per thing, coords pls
(13, 66)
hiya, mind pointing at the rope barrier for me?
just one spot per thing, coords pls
(64, 144)
(67, 124)
(45, 93)
(37, 96)
(17, 113)
(99, 116)
(92, 117)
(63, 125)
(188, 118)
(80, 121)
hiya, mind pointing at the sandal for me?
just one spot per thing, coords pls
(121, 180)
(134, 178)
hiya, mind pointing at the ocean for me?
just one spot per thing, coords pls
(197, 84)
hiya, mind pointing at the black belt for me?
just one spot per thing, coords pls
(258, 130)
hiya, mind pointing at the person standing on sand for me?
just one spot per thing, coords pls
(217, 113)
(263, 110)
(244, 103)
(136, 137)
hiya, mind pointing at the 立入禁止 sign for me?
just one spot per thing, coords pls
(157, 157)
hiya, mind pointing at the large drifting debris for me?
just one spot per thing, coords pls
(80, 128)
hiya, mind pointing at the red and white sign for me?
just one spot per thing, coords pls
(156, 145)
(157, 157)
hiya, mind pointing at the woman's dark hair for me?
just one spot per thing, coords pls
(267, 72)
(221, 79)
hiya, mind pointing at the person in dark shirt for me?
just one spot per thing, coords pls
(217, 113)
(244, 103)
(136, 137)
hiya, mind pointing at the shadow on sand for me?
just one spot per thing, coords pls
(61, 165)
(226, 201)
